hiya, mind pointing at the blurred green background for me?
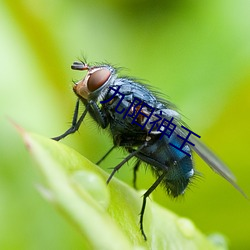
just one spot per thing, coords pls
(196, 52)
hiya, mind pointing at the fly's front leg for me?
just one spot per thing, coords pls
(97, 114)
(75, 123)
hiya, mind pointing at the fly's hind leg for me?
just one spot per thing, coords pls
(145, 196)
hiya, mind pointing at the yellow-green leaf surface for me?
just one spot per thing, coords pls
(106, 215)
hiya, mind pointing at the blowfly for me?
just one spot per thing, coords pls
(148, 127)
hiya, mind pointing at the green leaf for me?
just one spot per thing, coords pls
(107, 215)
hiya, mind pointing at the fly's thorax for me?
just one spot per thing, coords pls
(95, 84)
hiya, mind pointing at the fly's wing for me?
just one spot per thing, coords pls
(206, 154)
(215, 163)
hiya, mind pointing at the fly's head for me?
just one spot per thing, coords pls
(96, 79)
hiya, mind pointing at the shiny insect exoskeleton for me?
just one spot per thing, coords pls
(113, 103)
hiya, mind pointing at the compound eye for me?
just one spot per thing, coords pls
(97, 79)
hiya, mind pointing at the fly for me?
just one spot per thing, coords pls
(148, 127)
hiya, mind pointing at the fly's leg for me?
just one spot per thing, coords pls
(75, 124)
(97, 114)
(136, 167)
(105, 155)
(125, 160)
(145, 196)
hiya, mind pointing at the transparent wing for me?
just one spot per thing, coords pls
(215, 163)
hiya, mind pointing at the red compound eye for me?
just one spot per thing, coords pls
(97, 79)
